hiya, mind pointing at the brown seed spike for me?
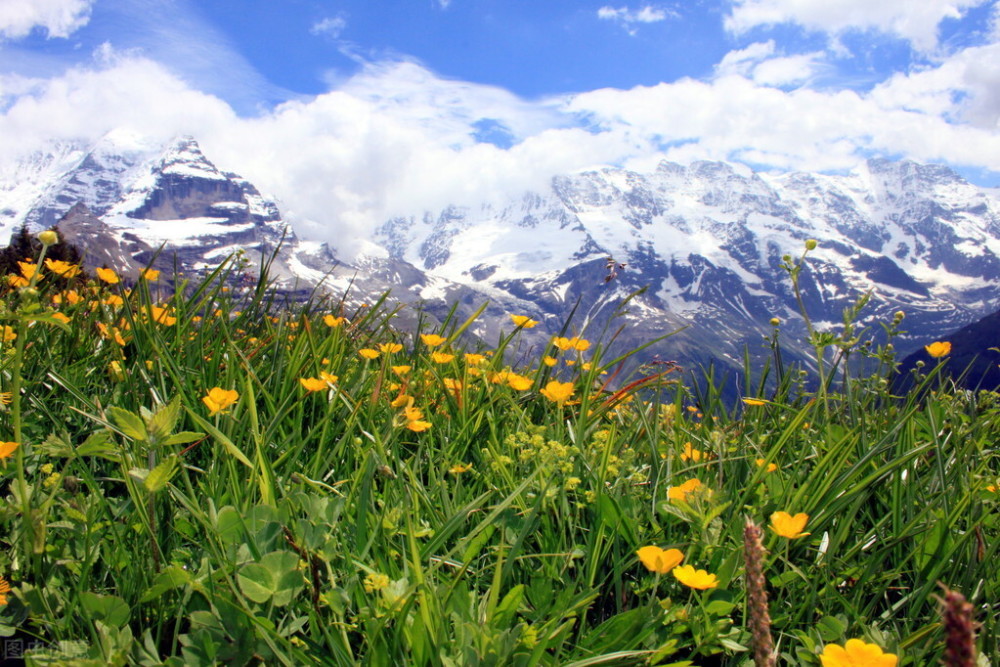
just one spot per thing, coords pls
(960, 633)
(760, 619)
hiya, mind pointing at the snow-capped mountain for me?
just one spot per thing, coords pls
(706, 242)
(696, 249)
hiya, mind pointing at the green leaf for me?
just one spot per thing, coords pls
(284, 568)
(830, 628)
(128, 423)
(182, 438)
(229, 525)
(99, 444)
(164, 421)
(256, 582)
(110, 609)
(56, 446)
(171, 578)
(159, 476)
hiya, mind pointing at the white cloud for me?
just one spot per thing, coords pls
(331, 26)
(758, 62)
(59, 18)
(914, 20)
(397, 140)
(629, 17)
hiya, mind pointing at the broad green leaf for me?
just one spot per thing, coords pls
(110, 609)
(182, 438)
(99, 444)
(256, 582)
(159, 476)
(171, 578)
(128, 423)
(164, 420)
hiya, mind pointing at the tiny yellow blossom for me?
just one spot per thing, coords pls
(549, 361)
(659, 560)
(61, 317)
(474, 359)
(149, 275)
(682, 491)
(7, 333)
(459, 468)
(771, 467)
(441, 357)
(333, 322)
(401, 370)
(519, 382)
(575, 343)
(368, 353)
(313, 384)
(4, 591)
(376, 581)
(390, 348)
(418, 425)
(8, 448)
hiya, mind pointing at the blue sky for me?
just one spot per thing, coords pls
(368, 108)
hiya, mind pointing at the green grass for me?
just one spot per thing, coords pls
(314, 527)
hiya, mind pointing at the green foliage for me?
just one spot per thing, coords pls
(323, 506)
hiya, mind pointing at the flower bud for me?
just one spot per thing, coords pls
(775, 321)
(811, 244)
(898, 315)
(48, 237)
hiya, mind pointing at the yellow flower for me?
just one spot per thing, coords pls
(684, 490)
(8, 448)
(368, 353)
(754, 401)
(218, 399)
(28, 269)
(549, 361)
(789, 526)
(938, 349)
(692, 578)
(64, 269)
(72, 297)
(17, 281)
(474, 359)
(333, 322)
(329, 378)
(432, 340)
(451, 384)
(61, 317)
(313, 384)
(401, 400)
(856, 653)
(48, 237)
(149, 275)
(418, 425)
(519, 382)
(376, 581)
(6, 397)
(557, 392)
(7, 333)
(771, 467)
(575, 343)
(114, 300)
(390, 348)
(162, 316)
(107, 275)
(4, 590)
(441, 357)
(413, 414)
(401, 370)
(691, 454)
(459, 468)
(659, 560)
(523, 321)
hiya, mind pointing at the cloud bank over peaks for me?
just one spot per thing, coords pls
(58, 18)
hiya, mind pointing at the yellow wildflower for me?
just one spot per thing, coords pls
(441, 357)
(107, 275)
(8, 448)
(692, 454)
(557, 392)
(4, 590)
(771, 467)
(61, 268)
(692, 578)
(433, 340)
(7, 333)
(28, 269)
(218, 399)
(519, 382)
(459, 468)
(149, 275)
(474, 359)
(938, 349)
(61, 317)
(313, 384)
(368, 353)
(549, 361)
(789, 526)
(333, 322)
(376, 581)
(682, 491)
(754, 401)
(659, 560)
(856, 653)
(390, 348)
(162, 316)
(418, 426)
(523, 321)
(401, 370)
(575, 343)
